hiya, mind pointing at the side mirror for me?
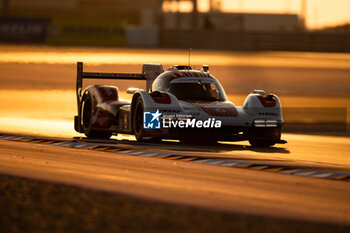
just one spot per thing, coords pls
(132, 90)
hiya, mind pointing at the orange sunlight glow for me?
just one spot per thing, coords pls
(51, 112)
(41, 113)
(129, 56)
(172, 6)
(319, 13)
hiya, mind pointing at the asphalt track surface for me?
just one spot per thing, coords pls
(232, 189)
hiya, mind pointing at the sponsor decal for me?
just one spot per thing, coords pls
(157, 120)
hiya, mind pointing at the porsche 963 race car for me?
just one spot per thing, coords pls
(180, 103)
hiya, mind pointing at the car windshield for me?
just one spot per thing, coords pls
(196, 91)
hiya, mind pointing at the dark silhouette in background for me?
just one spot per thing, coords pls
(144, 23)
(5, 7)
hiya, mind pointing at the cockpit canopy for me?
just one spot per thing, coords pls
(190, 85)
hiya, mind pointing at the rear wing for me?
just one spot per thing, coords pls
(149, 73)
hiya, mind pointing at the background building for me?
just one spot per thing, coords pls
(160, 23)
(233, 21)
(149, 13)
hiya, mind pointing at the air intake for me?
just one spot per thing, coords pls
(180, 67)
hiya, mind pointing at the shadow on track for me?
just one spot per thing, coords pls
(197, 147)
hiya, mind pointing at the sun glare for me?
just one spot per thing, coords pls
(181, 6)
(318, 13)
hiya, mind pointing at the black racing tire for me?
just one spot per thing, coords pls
(86, 123)
(261, 143)
(137, 120)
(137, 124)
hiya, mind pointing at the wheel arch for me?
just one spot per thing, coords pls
(259, 105)
(148, 103)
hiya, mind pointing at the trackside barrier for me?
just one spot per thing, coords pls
(78, 31)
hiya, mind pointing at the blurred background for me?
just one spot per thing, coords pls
(298, 25)
(297, 49)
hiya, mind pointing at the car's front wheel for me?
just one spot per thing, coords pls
(138, 119)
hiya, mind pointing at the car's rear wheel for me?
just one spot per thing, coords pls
(86, 121)
(261, 143)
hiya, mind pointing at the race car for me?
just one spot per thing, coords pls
(179, 103)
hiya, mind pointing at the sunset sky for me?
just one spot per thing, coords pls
(319, 13)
